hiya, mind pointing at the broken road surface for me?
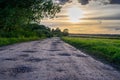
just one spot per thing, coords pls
(51, 59)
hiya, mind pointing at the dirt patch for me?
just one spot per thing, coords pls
(64, 54)
(36, 59)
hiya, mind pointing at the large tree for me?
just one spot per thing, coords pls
(14, 13)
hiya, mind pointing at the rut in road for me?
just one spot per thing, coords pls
(51, 59)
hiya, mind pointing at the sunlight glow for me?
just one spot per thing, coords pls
(75, 14)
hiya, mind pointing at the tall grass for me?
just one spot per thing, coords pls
(109, 49)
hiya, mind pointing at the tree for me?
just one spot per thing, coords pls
(56, 32)
(65, 32)
(14, 13)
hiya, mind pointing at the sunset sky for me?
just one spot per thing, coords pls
(94, 17)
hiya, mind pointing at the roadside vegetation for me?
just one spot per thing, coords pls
(107, 49)
(19, 20)
(25, 33)
(29, 32)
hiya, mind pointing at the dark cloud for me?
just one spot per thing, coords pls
(114, 1)
(84, 2)
(64, 1)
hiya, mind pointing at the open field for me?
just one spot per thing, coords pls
(107, 49)
(103, 36)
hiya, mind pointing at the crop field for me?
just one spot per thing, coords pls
(107, 49)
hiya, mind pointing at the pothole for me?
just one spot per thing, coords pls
(73, 49)
(29, 51)
(60, 70)
(2, 49)
(59, 42)
(107, 68)
(39, 42)
(67, 77)
(54, 50)
(36, 59)
(9, 59)
(21, 69)
(64, 54)
(52, 54)
(11, 49)
(16, 70)
(24, 55)
(78, 55)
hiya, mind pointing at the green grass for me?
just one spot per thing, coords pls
(107, 49)
(7, 41)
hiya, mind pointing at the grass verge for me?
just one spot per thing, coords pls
(8, 41)
(107, 49)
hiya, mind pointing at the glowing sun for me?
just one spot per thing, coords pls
(75, 14)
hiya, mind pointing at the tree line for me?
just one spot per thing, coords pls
(57, 32)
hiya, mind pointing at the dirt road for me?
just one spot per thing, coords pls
(51, 59)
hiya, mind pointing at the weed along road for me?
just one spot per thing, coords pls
(51, 59)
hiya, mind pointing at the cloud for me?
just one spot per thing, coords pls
(117, 28)
(84, 2)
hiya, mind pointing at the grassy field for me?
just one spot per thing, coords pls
(101, 36)
(7, 41)
(107, 49)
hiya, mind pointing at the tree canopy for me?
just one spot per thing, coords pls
(14, 13)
